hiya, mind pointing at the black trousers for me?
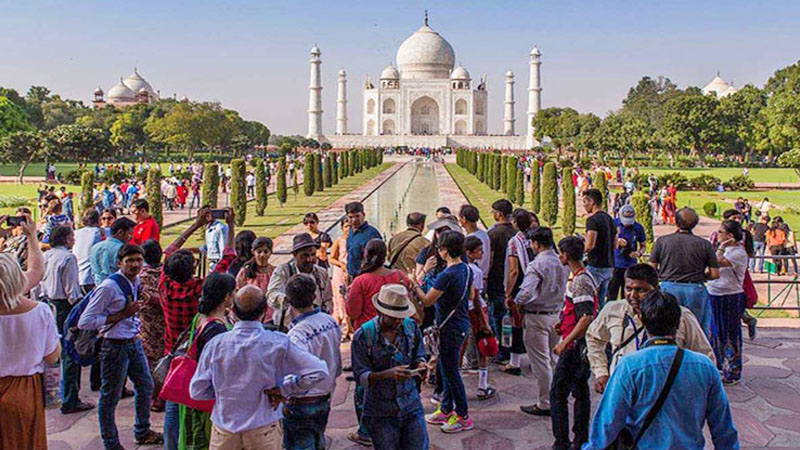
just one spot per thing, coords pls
(616, 287)
(570, 377)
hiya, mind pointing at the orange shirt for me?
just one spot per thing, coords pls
(775, 237)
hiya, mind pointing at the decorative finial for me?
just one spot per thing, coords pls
(426, 17)
(717, 72)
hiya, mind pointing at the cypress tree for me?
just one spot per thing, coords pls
(497, 172)
(568, 197)
(319, 183)
(328, 170)
(239, 190)
(281, 183)
(503, 173)
(334, 167)
(602, 185)
(549, 194)
(154, 195)
(210, 185)
(535, 188)
(342, 165)
(308, 175)
(520, 186)
(487, 168)
(351, 156)
(480, 168)
(644, 215)
(261, 187)
(86, 200)
(380, 156)
(511, 178)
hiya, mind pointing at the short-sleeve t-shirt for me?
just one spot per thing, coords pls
(683, 257)
(477, 283)
(499, 235)
(635, 236)
(25, 339)
(453, 282)
(602, 255)
(731, 279)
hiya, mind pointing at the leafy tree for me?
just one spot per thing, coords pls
(77, 143)
(21, 148)
(535, 188)
(646, 100)
(520, 186)
(57, 111)
(623, 133)
(127, 132)
(328, 172)
(281, 183)
(309, 180)
(550, 194)
(261, 187)
(239, 190)
(782, 113)
(210, 185)
(691, 121)
(154, 195)
(791, 159)
(744, 121)
(511, 178)
(12, 118)
(319, 183)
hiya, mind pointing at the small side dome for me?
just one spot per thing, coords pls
(342, 73)
(509, 74)
(184, 99)
(460, 73)
(315, 50)
(390, 73)
(98, 91)
(121, 92)
(535, 51)
(143, 91)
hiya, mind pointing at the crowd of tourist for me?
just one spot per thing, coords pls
(249, 356)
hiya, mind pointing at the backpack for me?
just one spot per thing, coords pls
(83, 346)
(370, 330)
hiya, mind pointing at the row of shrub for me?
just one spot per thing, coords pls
(703, 182)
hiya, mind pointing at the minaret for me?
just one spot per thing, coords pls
(315, 95)
(341, 104)
(508, 128)
(534, 92)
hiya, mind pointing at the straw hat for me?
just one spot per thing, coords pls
(392, 301)
(449, 221)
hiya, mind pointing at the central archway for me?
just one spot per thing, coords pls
(424, 116)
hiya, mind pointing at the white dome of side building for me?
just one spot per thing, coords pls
(719, 87)
(129, 91)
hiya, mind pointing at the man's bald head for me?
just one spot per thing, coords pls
(416, 220)
(686, 219)
(249, 303)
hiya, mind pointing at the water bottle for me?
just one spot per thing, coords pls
(52, 385)
(507, 330)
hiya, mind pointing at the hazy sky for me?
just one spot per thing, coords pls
(252, 56)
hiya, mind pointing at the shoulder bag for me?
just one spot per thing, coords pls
(430, 337)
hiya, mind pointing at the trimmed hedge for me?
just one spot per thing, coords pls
(86, 201)
(309, 181)
(568, 198)
(497, 172)
(261, 187)
(154, 201)
(644, 215)
(503, 173)
(334, 168)
(328, 172)
(511, 178)
(343, 165)
(536, 196)
(319, 183)
(550, 194)
(210, 185)
(239, 190)
(520, 186)
(281, 182)
(601, 182)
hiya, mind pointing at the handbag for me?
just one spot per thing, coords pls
(430, 337)
(181, 370)
(625, 439)
(181, 347)
(750, 293)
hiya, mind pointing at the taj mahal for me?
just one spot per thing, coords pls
(424, 101)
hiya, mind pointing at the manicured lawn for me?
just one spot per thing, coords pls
(276, 219)
(788, 202)
(758, 175)
(27, 190)
(37, 169)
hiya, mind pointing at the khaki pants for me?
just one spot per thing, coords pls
(540, 338)
(268, 437)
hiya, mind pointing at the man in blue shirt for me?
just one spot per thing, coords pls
(631, 240)
(696, 396)
(216, 238)
(103, 256)
(360, 233)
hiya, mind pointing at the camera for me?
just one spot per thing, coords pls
(14, 221)
(219, 213)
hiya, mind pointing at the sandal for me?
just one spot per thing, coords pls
(360, 439)
(150, 438)
(486, 394)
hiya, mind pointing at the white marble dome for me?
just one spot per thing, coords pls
(719, 87)
(121, 92)
(460, 73)
(425, 55)
(136, 83)
(390, 73)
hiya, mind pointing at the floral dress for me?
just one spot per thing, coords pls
(151, 315)
(261, 280)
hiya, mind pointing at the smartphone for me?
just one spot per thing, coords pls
(219, 213)
(14, 221)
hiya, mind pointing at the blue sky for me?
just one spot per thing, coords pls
(252, 56)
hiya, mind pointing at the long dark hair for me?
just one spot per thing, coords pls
(374, 256)
(244, 245)
(216, 287)
(251, 267)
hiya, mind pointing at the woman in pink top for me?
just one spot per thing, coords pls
(338, 260)
(258, 270)
(368, 283)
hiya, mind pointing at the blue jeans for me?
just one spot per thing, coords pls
(695, 297)
(602, 276)
(118, 358)
(727, 341)
(407, 432)
(172, 426)
(759, 249)
(70, 370)
(304, 425)
(497, 310)
(448, 368)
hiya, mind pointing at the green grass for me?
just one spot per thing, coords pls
(27, 190)
(276, 219)
(37, 169)
(788, 202)
(482, 196)
(758, 175)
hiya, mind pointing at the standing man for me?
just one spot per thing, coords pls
(249, 371)
(631, 240)
(759, 231)
(600, 241)
(85, 238)
(304, 251)
(405, 246)
(540, 299)
(685, 262)
(69, 206)
(61, 287)
(695, 395)
(216, 237)
(250, 180)
(360, 233)
(499, 235)
(468, 217)
(103, 257)
(146, 226)
(305, 416)
(112, 310)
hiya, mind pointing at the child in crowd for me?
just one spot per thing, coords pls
(479, 319)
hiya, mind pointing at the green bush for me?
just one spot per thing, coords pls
(154, 195)
(380, 156)
(309, 180)
(644, 215)
(281, 182)
(704, 182)
(14, 201)
(739, 183)
(511, 178)
(210, 185)
(114, 176)
(497, 172)
(550, 194)
(568, 197)
(239, 190)
(710, 208)
(342, 165)
(319, 183)
(536, 198)
(601, 182)
(520, 197)
(261, 187)
(479, 168)
(328, 173)
(86, 200)
(73, 177)
(353, 162)
(503, 173)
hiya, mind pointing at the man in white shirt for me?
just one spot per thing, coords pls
(469, 216)
(305, 416)
(85, 238)
(250, 180)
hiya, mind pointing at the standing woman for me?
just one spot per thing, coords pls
(518, 255)
(244, 251)
(258, 270)
(728, 301)
(151, 314)
(339, 281)
(311, 221)
(28, 340)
